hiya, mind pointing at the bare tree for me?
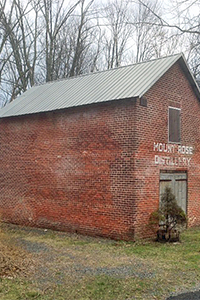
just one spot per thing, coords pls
(5, 18)
(117, 32)
(55, 16)
(81, 38)
(19, 53)
(71, 50)
(184, 24)
(150, 39)
(146, 34)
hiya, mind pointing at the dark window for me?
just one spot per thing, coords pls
(174, 125)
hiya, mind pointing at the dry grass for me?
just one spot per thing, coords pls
(14, 260)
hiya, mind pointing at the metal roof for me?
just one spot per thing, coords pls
(120, 83)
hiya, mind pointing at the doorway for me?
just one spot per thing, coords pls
(177, 181)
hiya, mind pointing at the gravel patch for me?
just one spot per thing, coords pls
(33, 247)
(120, 272)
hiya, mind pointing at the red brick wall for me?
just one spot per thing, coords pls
(92, 169)
(173, 89)
(70, 170)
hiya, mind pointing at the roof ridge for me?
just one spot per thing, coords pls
(109, 70)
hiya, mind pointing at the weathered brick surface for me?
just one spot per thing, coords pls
(70, 170)
(173, 89)
(91, 169)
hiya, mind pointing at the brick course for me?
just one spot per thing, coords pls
(91, 169)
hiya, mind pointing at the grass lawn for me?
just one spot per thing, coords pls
(44, 264)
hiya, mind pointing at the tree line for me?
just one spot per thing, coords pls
(45, 40)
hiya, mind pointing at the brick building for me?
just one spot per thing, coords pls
(92, 154)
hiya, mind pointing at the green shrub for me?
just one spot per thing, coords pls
(170, 218)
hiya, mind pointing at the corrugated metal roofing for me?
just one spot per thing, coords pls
(124, 82)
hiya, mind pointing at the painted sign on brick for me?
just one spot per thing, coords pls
(173, 154)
